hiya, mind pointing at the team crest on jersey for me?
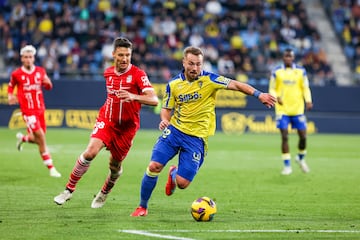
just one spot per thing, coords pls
(200, 83)
(129, 79)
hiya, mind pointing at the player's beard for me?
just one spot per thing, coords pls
(192, 75)
(121, 66)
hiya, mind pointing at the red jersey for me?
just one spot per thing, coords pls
(29, 91)
(116, 111)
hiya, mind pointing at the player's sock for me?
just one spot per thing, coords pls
(147, 186)
(301, 155)
(110, 181)
(80, 168)
(25, 138)
(286, 159)
(46, 157)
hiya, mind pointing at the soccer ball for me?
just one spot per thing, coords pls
(203, 209)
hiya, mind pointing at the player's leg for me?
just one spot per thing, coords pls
(301, 130)
(282, 123)
(40, 140)
(193, 149)
(115, 172)
(119, 148)
(148, 184)
(81, 166)
(163, 151)
(30, 121)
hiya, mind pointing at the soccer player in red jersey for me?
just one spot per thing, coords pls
(127, 88)
(29, 80)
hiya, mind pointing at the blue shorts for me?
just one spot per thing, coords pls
(297, 122)
(190, 149)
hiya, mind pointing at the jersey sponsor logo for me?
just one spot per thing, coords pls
(32, 87)
(189, 97)
(289, 82)
(115, 92)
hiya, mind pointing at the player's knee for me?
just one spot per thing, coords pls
(182, 183)
(115, 167)
(155, 167)
(90, 153)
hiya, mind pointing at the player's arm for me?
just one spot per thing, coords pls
(47, 83)
(265, 98)
(272, 88)
(148, 97)
(307, 92)
(12, 99)
(165, 115)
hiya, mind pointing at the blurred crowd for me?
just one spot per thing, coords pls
(345, 16)
(242, 39)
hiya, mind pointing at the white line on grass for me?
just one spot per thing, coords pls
(262, 231)
(145, 233)
(148, 233)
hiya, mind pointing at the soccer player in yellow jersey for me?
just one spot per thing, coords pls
(187, 119)
(290, 85)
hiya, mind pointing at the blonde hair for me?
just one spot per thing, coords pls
(193, 50)
(28, 48)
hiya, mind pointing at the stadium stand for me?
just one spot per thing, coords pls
(242, 39)
(345, 17)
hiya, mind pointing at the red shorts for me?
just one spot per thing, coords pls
(35, 122)
(117, 140)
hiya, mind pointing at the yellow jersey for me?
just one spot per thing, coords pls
(291, 84)
(193, 103)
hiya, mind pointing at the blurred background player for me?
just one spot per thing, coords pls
(187, 120)
(290, 85)
(29, 80)
(117, 123)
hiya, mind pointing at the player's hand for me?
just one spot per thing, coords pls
(267, 99)
(125, 95)
(163, 124)
(12, 99)
(309, 106)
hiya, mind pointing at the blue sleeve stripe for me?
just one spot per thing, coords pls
(168, 92)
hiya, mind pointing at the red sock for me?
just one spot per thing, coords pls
(80, 168)
(46, 157)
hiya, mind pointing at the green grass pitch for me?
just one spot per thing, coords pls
(241, 173)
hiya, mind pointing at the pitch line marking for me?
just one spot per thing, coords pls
(149, 234)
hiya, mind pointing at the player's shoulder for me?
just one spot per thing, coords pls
(278, 68)
(137, 71)
(109, 70)
(177, 78)
(299, 67)
(16, 71)
(210, 75)
(39, 68)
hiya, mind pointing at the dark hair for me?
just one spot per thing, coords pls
(193, 50)
(288, 50)
(122, 42)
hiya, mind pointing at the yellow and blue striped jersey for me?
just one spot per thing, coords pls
(292, 86)
(193, 103)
